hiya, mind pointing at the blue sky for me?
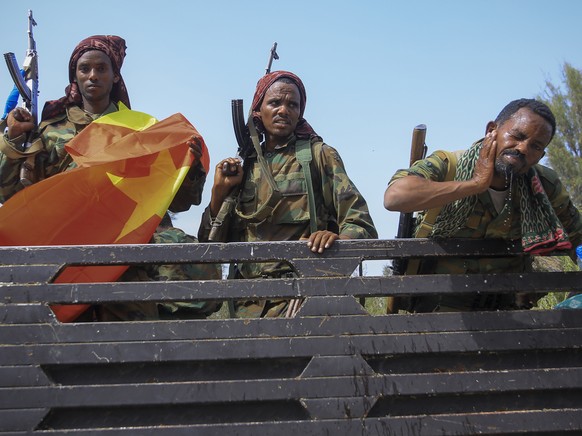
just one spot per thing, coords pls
(372, 69)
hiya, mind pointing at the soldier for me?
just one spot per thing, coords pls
(96, 88)
(495, 190)
(337, 208)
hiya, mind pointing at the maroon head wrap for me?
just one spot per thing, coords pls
(114, 47)
(303, 129)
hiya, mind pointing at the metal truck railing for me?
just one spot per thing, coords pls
(332, 369)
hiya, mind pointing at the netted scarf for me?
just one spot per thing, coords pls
(541, 229)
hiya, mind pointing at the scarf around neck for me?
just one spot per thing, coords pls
(541, 229)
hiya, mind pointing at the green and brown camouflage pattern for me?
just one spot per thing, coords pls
(486, 223)
(340, 208)
(54, 133)
(185, 271)
(143, 311)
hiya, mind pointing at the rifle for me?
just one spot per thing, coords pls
(274, 55)
(26, 82)
(245, 149)
(406, 223)
(241, 128)
(26, 79)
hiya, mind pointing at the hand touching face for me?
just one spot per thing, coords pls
(521, 142)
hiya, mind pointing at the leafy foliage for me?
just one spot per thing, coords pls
(553, 264)
(564, 153)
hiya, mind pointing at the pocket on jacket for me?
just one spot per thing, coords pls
(294, 205)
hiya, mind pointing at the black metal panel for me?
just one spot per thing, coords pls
(534, 423)
(333, 369)
(254, 252)
(24, 313)
(11, 376)
(266, 328)
(290, 288)
(27, 273)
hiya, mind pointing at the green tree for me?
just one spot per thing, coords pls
(564, 153)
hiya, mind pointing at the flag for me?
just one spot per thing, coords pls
(130, 167)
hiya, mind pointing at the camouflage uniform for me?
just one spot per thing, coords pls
(486, 223)
(54, 134)
(189, 271)
(138, 311)
(340, 208)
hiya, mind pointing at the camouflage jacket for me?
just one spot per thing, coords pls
(340, 206)
(54, 134)
(177, 272)
(486, 223)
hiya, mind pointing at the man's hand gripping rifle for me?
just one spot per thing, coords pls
(26, 83)
(245, 149)
(406, 223)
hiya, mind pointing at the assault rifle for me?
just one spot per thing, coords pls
(26, 79)
(406, 223)
(245, 149)
(26, 83)
(241, 128)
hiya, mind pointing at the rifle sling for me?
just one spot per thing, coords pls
(304, 156)
(265, 210)
(13, 153)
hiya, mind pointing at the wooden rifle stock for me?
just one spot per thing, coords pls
(406, 222)
(418, 147)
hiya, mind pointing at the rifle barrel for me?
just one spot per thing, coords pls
(31, 23)
(272, 56)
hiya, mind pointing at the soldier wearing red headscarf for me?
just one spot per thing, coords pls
(95, 88)
(333, 210)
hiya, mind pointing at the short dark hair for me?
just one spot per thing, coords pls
(537, 107)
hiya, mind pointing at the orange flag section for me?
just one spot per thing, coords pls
(129, 171)
(126, 133)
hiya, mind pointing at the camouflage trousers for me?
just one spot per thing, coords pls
(138, 311)
(275, 308)
(261, 308)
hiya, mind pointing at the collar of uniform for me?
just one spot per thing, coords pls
(78, 116)
(291, 141)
